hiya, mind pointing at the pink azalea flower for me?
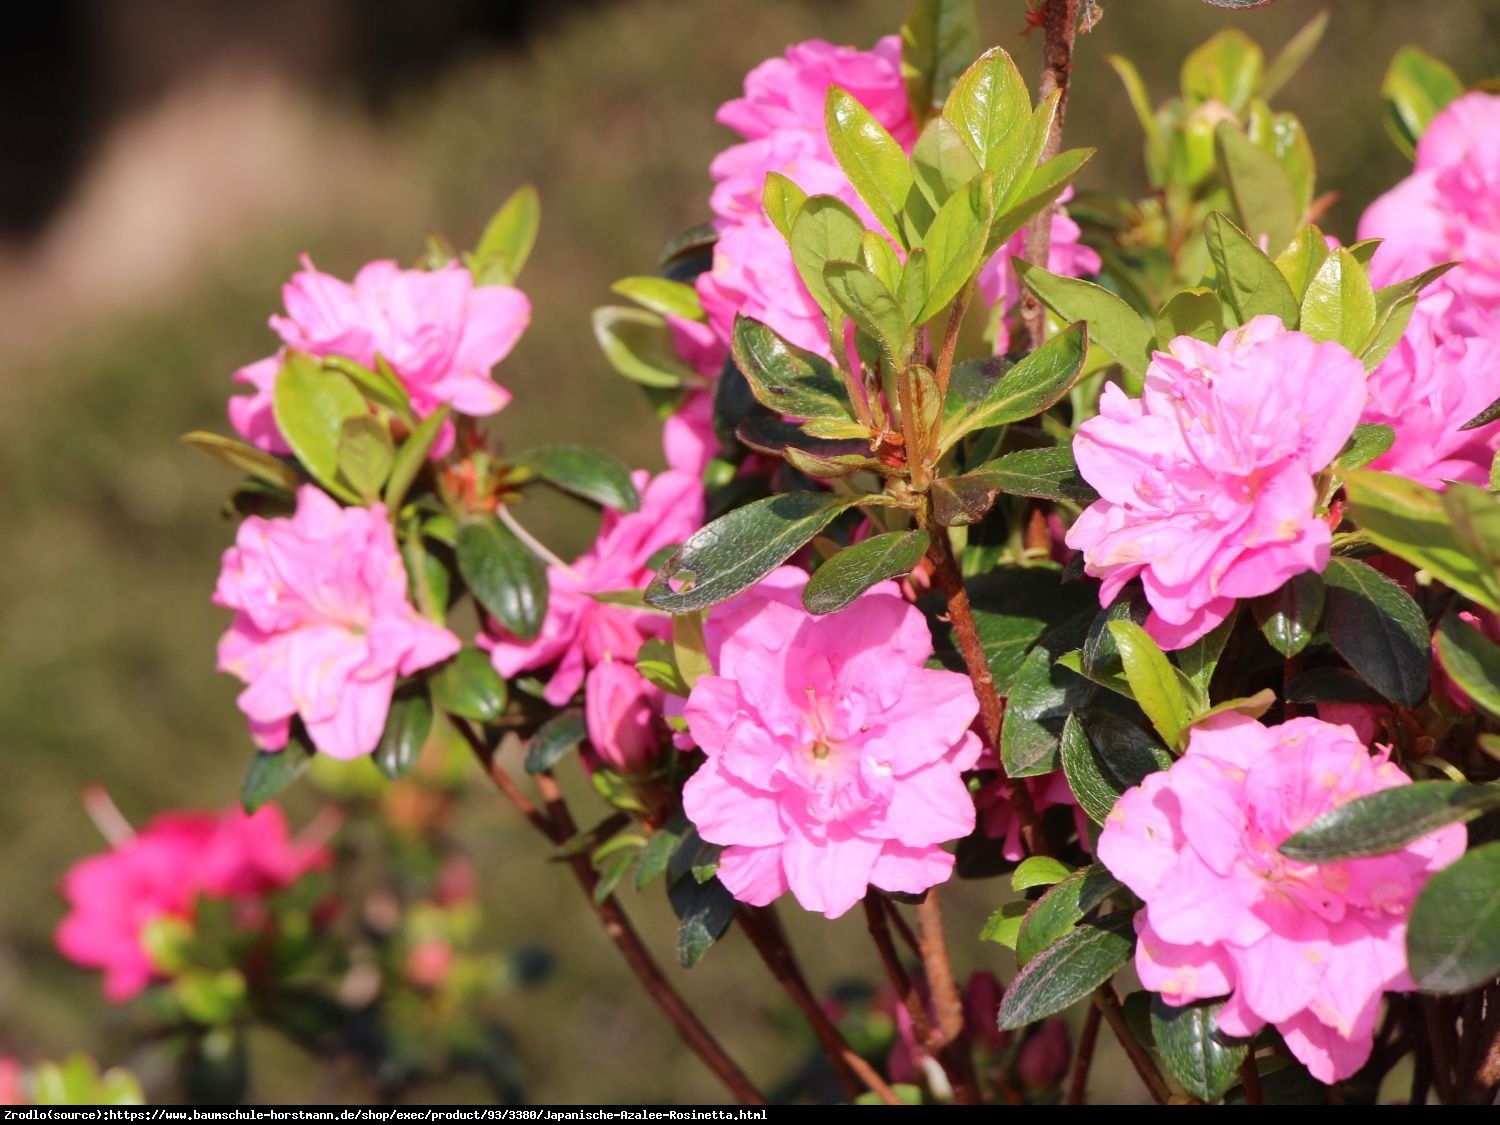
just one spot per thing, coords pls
(160, 873)
(623, 711)
(1309, 948)
(440, 333)
(1437, 378)
(1066, 255)
(1206, 482)
(835, 758)
(322, 625)
(580, 631)
(12, 1081)
(753, 273)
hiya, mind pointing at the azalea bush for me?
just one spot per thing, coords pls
(1124, 563)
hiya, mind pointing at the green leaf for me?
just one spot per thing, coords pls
(1192, 312)
(988, 103)
(852, 571)
(1340, 303)
(1042, 695)
(737, 550)
(412, 456)
(1112, 324)
(955, 244)
(1049, 473)
(1369, 441)
(557, 737)
(1374, 625)
(1153, 680)
(690, 648)
(1264, 198)
(1382, 822)
(1035, 193)
(310, 404)
(878, 256)
(875, 164)
(1103, 755)
(1204, 1060)
(1453, 934)
(785, 378)
(584, 472)
(1249, 282)
(1227, 68)
(1200, 659)
(861, 296)
(504, 575)
(1004, 926)
(652, 862)
(661, 296)
(406, 730)
(1472, 660)
(1067, 971)
(244, 458)
(1416, 89)
(1289, 617)
(365, 454)
(981, 393)
(1140, 101)
(468, 686)
(656, 662)
(1020, 181)
(938, 40)
(1394, 305)
(381, 386)
(704, 911)
(941, 162)
(782, 199)
(1413, 522)
(271, 771)
(1057, 912)
(639, 346)
(1038, 871)
(825, 230)
(913, 289)
(1300, 261)
(508, 238)
(1290, 59)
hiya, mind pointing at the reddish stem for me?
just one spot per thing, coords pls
(880, 933)
(1108, 1002)
(956, 1053)
(1087, 1040)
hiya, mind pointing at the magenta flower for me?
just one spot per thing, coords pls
(440, 333)
(160, 873)
(753, 273)
(1206, 482)
(623, 711)
(1309, 948)
(322, 624)
(580, 631)
(835, 758)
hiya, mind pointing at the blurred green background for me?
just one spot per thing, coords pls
(128, 300)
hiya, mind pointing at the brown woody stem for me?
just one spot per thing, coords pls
(895, 971)
(956, 1054)
(1108, 1002)
(1079, 1081)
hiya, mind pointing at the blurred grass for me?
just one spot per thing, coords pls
(112, 540)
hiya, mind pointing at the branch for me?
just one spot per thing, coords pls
(1060, 24)
(880, 933)
(956, 1053)
(1108, 1002)
(1078, 1083)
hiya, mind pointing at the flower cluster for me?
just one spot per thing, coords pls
(1206, 481)
(1310, 948)
(161, 873)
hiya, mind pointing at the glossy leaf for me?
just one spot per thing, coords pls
(982, 393)
(1301, 259)
(1153, 680)
(638, 345)
(589, 473)
(1416, 89)
(1058, 911)
(1289, 617)
(737, 550)
(941, 162)
(785, 378)
(661, 296)
(244, 458)
(874, 162)
(468, 686)
(955, 244)
(1453, 934)
(1340, 303)
(938, 41)
(1197, 1054)
(825, 230)
(862, 297)
(1249, 282)
(1472, 660)
(988, 103)
(852, 571)
(406, 730)
(506, 578)
(1382, 822)
(1049, 473)
(1033, 194)
(1112, 324)
(704, 911)
(1038, 871)
(310, 404)
(1103, 755)
(1067, 971)
(555, 739)
(782, 199)
(1042, 695)
(1374, 625)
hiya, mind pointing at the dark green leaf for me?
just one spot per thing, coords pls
(704, 911)
(1453, 934)
(310, 404)
(1206, 1062)
(558, 736)
(504, 575)
(1369, 441)
(983, 393)
(584, 472)
(1112, 324)
(638, 344)
(245, 458)
(412, 456)
(657, 854)
(1374, 625)
(468, 686)
(1289, 617)
(271, 771)
(737, 550)
(1153, 680)
(1200, 659)
(1249, 282)
(938, 41)
(1389, 819)
(1055, 914)
(1042, 696)
(1103, 755)
(1067, 971)
(1330, 685)
(508, 238)
(1049, 473)
(873, 161)
(855, 569)
(1472, 660)
(1264, 199)
(1192, 312)
(405, 733)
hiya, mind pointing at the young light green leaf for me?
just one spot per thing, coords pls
(661, 296)
(508, 238)
(690, 648)
(1249, 282)
(1192, 312)
(1416, 88)
(941, 162)
(245, 458)
(504, 575)
(1226, 68)
(1374, 625)
(1381, 822)
(1290, 59)
(938, 40)
(1038, 871)
(1340, 303)
(639, 346)
(412, 456)
(955, 244)
(1057, 912)
(1453, 934)
(1033, 194)
(381, 385)
(1264, 199)
(875, 164)
(982, 393)
(913, 289)
(877, 256)
(852, 571)
(1067, 971)
(782, 200)
(589, 473)
(1153, 680)
(825, 230)
(1112, 324)
(862, 297)
(988, 103)
(1300, 261)
(739, 549)
(310, 404)
(1394, 305)
(365, 454)
(785, 378)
